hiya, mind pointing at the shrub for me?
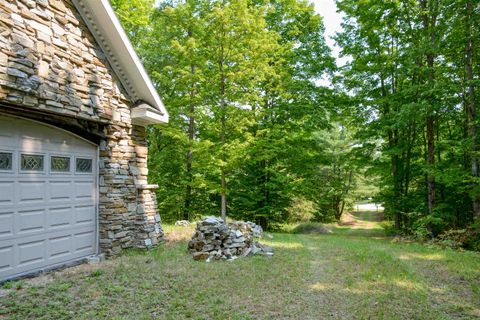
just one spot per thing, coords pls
(468, 238)
(311, 228)
(389, 228)
(301, 210)
(451, 239)
(428, 227)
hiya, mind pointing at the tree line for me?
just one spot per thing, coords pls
(254, 133)
(412, 81)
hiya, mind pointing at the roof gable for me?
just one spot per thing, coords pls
(107, 30)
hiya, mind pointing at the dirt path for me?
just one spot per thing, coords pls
(362, 219)
(361, 224)
(358, 273)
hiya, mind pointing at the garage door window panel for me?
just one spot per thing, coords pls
(59, 164)
(6, 161)
(32, 162)
(84, 165)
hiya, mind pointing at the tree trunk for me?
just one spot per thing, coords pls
(472, 105)
(392, 143)
(430, 163)
(429, 24)
(223, 193)
(411, 140)
(191, 136)
(347, 190)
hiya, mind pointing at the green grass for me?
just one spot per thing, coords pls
(350, 273)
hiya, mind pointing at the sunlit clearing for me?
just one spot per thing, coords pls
(318, 287)
(431, 257)
(286, 245)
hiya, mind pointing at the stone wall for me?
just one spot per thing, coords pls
(50, 63)
(148, 228)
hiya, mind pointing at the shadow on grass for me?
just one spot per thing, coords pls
(370, 216)
(316, 228)
(357, 232)
(311, 228)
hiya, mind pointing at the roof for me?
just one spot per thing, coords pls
(107, 30)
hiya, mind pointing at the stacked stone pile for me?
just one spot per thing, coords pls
(247, 227)
(214, 240)
(182, 223)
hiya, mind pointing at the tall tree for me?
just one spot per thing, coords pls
(429, 12)
(239, 50)
(411, 82)
(471, 99)
(135, 17)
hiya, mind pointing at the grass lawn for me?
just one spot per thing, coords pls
(351, 273)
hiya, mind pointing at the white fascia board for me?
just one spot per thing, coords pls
(107, 30)
(144, 114)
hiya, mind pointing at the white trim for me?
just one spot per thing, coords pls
(144, 114)
(97, 202)
(107, 30)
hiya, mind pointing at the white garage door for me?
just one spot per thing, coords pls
(48, 197)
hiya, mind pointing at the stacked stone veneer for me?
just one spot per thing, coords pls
(50, 64)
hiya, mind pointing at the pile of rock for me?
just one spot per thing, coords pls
(247, 227)
(182, 223)
(214, 240)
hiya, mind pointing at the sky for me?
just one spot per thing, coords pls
(332, 21)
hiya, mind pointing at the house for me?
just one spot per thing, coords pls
(74, 104)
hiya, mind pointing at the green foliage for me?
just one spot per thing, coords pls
(250, 123)
(301, 210)
(336, 172)
(453, 239)
(311, 228)
(135, 17)
(427, 227)
(412, 107)
(247, 117)
(389, 228)
(17, 285)
(96, 273)
(366, 187)
(461, 238)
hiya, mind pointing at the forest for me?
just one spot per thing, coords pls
(325, 172)
(265, 126)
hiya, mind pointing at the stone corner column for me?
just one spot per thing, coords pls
(148, 229)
